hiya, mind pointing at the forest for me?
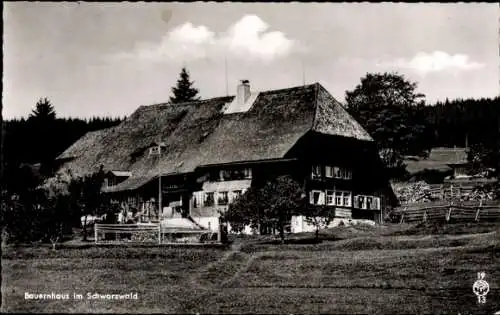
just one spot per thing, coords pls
(447, 124)
(454, 121)
(32, 141)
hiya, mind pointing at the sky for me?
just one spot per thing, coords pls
(107, 59)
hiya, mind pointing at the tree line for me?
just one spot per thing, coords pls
(42, 136)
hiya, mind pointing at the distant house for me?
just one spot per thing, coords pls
(442, 162)
(208, 153)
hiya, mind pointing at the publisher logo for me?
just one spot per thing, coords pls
(481, 287)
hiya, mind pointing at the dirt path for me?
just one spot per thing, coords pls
(241, 270)
(195, 280)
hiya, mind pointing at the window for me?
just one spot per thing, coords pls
(329, 171)
(316, 197)
(195, 201)
(360, 202)
(247, 172)
(330, 197)
(236, 194)
(224, 175)
(347, 198)
(222, 198)
(209, 199)
(197, 198)
(316, 171)
(338, 199)
(348, 174)
(338, 172)
(237, 174)
(369, 202)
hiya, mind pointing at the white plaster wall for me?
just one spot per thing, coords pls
(230, 185)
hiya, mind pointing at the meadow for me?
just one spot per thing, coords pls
(381, 270)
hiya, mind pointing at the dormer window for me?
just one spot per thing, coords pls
(154, 150)
(247, 173)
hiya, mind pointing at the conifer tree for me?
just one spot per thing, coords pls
(44, 110)
(184, 90)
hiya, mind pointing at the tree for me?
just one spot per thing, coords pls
(184, 90)
(55, 208)
(389, 108)
(483, 158)
(41, 125)
(319, 216)
(2, 182)
(91, 201)
(43, 110)
(46, 206)
(271, 204)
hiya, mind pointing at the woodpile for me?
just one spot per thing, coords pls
(421, 192)
(413, 192)
(145, 237)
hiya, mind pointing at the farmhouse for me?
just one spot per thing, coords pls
(193, 159)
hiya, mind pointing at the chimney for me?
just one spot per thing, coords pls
(243, 92)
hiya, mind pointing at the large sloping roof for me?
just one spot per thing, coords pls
(85, 143)
(199, 133)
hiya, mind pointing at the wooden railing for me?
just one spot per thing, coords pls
(150, 233)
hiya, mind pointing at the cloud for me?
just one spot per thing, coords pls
(186, 41)
(247, 38)
(437, 61)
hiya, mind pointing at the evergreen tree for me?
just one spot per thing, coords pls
(43, 110)
(184, 90)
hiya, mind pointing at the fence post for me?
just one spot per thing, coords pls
(159, 233)
(403, 215)
(95, 233)
(448, 216)
(479, 209)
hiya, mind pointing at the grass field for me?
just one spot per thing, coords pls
(380, 270)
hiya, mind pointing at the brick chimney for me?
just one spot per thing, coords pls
(243, 92)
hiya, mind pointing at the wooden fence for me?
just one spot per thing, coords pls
(150, 233)
(468, 211)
